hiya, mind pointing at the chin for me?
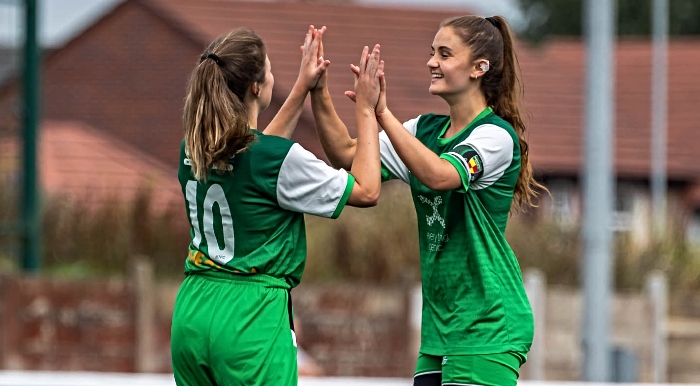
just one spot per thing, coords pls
(433, 92)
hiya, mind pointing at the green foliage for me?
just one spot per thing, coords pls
(546, 18)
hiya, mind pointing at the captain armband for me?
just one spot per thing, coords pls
(471, 161)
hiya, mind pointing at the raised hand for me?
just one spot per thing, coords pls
(313, 66)
(381, 104)
(368, 78)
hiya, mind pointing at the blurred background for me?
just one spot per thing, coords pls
(93, 231)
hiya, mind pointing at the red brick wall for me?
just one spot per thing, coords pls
(125, 75)
(48, 324)
(84, 325)
(354, 330)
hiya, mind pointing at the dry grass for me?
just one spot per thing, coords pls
(378, 244)
(374, 245)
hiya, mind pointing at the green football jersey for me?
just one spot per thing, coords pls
(474, 301)
(250, 218)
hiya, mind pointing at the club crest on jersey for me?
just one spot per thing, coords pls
(475, 166)
(433, 204)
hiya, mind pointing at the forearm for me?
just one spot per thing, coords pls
(366, 165)
(331, 131)
(286, 119)
(426, 166)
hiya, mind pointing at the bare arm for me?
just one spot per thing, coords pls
(331, 131)
(365, 164)
(431, 170)
(312, 66)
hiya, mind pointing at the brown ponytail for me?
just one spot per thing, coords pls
(492, 38)
(214, 118)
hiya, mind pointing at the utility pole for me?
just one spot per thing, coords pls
(599, 187)
(659, 96)
(31, 219)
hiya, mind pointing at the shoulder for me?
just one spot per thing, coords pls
(269, 147)
(429, 120)
(494, 122)
(427, 124)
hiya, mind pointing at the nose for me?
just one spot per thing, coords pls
(432, 63)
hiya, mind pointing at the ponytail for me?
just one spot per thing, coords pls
(215, 118)
(492, 38)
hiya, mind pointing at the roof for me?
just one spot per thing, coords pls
(282, 25)
(553, 74)
(555, 96)
(88, 165)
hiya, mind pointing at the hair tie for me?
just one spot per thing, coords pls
(494, 22)
(215, 58)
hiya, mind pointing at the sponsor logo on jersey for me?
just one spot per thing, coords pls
(433, 204)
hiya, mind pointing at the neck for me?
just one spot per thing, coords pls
(464, 110)
(253, 112)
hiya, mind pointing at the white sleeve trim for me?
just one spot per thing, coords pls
(308, 185)
(495, 147)
(388, 156)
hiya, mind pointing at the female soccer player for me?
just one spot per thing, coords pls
(466, 170)
(246, 194)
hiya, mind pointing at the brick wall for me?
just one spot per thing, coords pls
(126, 75)
(354, 329)
(48, 324)
(350, 329)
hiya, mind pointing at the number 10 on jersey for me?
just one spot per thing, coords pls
(220, 251)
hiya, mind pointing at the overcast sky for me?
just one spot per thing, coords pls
(62, 19)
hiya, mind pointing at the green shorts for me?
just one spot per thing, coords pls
(233, 331)
(486, 369)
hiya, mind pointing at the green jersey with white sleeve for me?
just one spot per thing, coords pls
(249, 219)
(474, 301)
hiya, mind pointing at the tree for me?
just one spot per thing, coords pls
(564, 17)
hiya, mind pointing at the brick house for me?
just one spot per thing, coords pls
(125, 75)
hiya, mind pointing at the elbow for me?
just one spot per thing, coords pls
(441, 178)
(373, 198)
(437, 182)
(364, 198)
(369, 199)
(340, 163)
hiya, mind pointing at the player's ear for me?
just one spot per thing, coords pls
(255, 89)
(481, 67)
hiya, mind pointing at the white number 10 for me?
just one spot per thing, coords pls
(215, 194)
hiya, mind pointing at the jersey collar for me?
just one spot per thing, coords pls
(479, 117)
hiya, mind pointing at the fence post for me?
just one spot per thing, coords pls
(144, 318)
(657, 290)
(535, 286)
